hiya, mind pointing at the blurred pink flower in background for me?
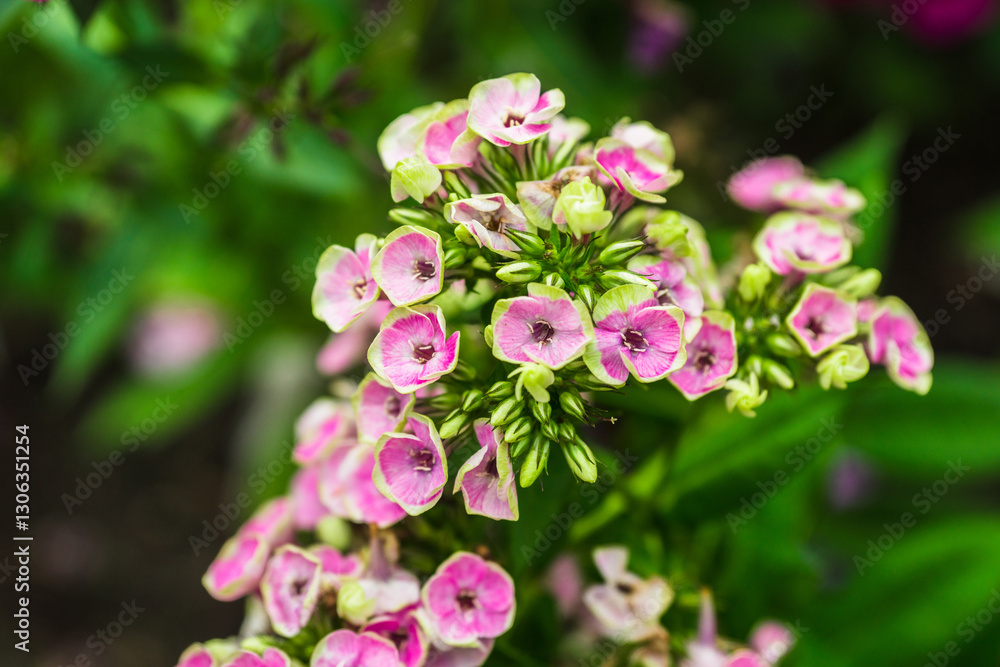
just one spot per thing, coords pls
(851, 480)
(934, 22)
(172, 336)
(658, 28)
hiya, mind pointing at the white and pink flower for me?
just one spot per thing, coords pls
(290, 589)
(830, 197)
(237, 570)
(379, 409)
(898, 341)
(412, 349)
(822, 318)
(448, 143)
(642, 135)
(403, 629)
(634, 334)
(468, 599)
(344, 648)
(802, 243)
(538, 198)
(486, 218)
(324, 424)
(512, 109)
(344, 287)
(753, 186)
(410, 266)
(486, 480)
(711, 356)
(401, 139)
(545, 327)
(271, 657)
(626, 605)
(635, 171)
(411, 468)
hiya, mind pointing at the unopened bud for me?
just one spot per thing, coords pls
(353, 605)
(412, 216)
(454, 257)
(530, 244)
(554, 280)
(414, 177)
(447, 401)
(465, 236)
(541, 411)
(500, 390)
(550, 430)
(783, 345)
(753, 282)
(519, 429)
(534, 463)
(519, 272)
(616, 277)
(506, 411)
(621, 252)
(572, 404)
(862, 284)
(581, 460)
(455, 185)
(453, 423)
(588, 296)
(472, 400)
(567, 432)
(778, 374)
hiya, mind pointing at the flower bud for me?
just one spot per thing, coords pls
(454, 257)
(472, 400)
(453, 423)
(554, 280)
(620, 252)
(353, 605)
(667, 231)
(588, 296)
(778, 374)
(580, 207)
(530, 244)
(335, 532)
(506, 411)
(447, 401)
(541, 411)
(843, 364)
(745, 395)
(519, 272)
(500, 390)
(534, 463)
(567, 432)
(572, 404)
(465, 236)
(862, 284)
(455, 185)
(753, 282)
(414, 177)
(536, 378)
(550, 430)
(616, 277)
(783, 345)
(518, 430)
(412, 216)
(581, 460)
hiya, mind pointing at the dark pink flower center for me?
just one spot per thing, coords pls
(393, 406)
(513, 118)
(360, 287)
(298, 586)
(815, 326)
(423, 459)
(541, 332)
(704, 360)
(424, 270)
(491, 467)
(466, 601)
(423, 353)
(634, 340)
(493, 222)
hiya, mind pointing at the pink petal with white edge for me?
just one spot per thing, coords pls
(290, 589)
(196, 655)
(343, 648)
(271, 657)
(307, 507)
(237, 569)
(410, 266)
(486, 480)
(753, 186)
(537, 199)
(545, 327)
(335, 566)
(635, 171)
(344, 287)
(772, 640)
(822, 318)
(511, 110)
(711, 356)
(400, 139)
(487, 218)
(403, 629)
(831, 197)
(272, 521)
(364, 502)
(898, 340)
(379, 409)
(411, 469)
(448, 142)
(323, 425)
(804, 243)
(411, 350)
(468, 599)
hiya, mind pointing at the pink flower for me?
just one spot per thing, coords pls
(345, 350)
(237, 569)
(771, 640)
(831, 197)
(344, 287)
(442, 655)
(400, 139)
(468, 599)
(343, 648)
(361, 499)
(545, 327)
(711, 356)
(379, 409)
(323, 425)
(538, 198)
(448, 142)
(898, 341)
(403, 630)
(674, 286)
(411, 350)
(635, 171)
(822, 318)
(411, 468)
(290, 589)
(753, 186)
(487, 217)
(626, 605)
(510, 110)
(335, 566)
(945, 22)
(271, 657)
(409, 267)
(634, 334)
(564, 134)
(486, 480)
(272, 521)
(746, 658)
(565, 582)
(803, 243)
(174, 336)
(307, 508)
(644, 136)
(196, 655)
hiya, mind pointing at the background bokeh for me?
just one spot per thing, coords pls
(171, 169)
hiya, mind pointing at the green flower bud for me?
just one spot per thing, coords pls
(616, 277)
(519, 272)
(745, 395)
(454, 257)
(783, 345)
(621, 252)
(414, 177)
(453, 424)
(519, 429)
(465, 236)
(862, 284)
(534, 463)
(572, 404)
(413, 216)
(667, 231)
(581, 460)
(541, 411)
(335, 532)
(753, 282)
(530, 244)
(472, 400)
(588, 296)
(536, 378)
(567, 432)
(550, 430)
(454, 184)
(521, 446)
(506, 411)
(554, 280)
(500, 390)
(448, 401)
(581, 207)
(843, 364)
(353, 605)
(778, 374)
